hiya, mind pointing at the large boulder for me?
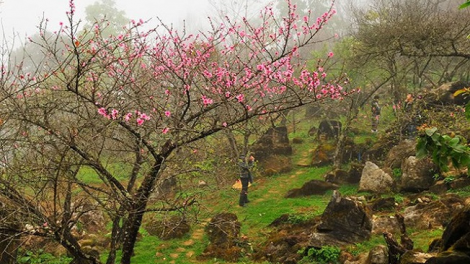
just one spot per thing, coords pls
(165, 229)
(344, 221)
(382, 224)
(456, 232)
(444, 94)
(276, 164)
(289, 236)
(313, 187)
(415, 257)
(223, 232)
(323, 154)
(329, 129)
(273, 142)
(375, 180)
(399, 153)
(432, 214)
(378, 255)
(417, 174)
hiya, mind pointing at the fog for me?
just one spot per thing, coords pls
(22, 17)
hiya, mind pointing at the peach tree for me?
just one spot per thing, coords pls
(135, 99)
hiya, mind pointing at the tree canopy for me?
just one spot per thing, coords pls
(137, 98)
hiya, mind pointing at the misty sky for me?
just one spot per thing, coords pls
(23, 16)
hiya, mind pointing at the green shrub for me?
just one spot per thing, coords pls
(324, 255)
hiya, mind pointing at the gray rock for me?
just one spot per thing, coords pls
(374, 179)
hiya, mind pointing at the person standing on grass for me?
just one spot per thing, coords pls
(245, 178)
(375, 109)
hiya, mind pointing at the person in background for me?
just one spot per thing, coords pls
(245, 178)
(413, 116)
(375, 110)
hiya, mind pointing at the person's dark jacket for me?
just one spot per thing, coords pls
(245, 170)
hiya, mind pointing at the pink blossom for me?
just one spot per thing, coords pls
(114, 113)
(330, 54)
(165, 130)
(240, 98)
(144, 116)
(102, 111)
(140, 121)
(224, 124)
(167, 113)
(206, 100)
(127, 117)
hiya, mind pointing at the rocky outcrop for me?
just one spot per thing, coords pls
(399, 153)
(313, 187)
(165, 229)
(223, 232)
(273, 142)
(417, 174)
(344, 221)
(454, 246)
(432, 214)
(374, 179)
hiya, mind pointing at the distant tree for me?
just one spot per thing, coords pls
(417, 42)
(137, 99)
(104, 13)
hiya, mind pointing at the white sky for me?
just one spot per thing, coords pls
(23, 16)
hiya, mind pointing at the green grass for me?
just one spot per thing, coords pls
(89, 176)
(267, 204)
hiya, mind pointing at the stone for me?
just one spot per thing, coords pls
(329, 129)
(375, 180)
(273, 142)
(439, 187)
(415, 257)
(385, 223)
(378, 255)
(449, 258)
(399, 153)
(433, 214)
(313, 187)
(417, 174)
(382, 204)
(223, 228)
(165, 229)
(344, 221)
(323, 154)
(458, 227)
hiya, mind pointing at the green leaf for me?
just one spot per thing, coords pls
(453, 142)
(421, 150)
(465, 160)
(464, 5)
(430, 131)
(460, 149)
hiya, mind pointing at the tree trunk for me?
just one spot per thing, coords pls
(232, 143)
(70, 243)
(136, 213)
(115, 240)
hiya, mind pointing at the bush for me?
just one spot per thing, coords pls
(326, 254)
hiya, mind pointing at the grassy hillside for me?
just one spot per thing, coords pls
(267, 204)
